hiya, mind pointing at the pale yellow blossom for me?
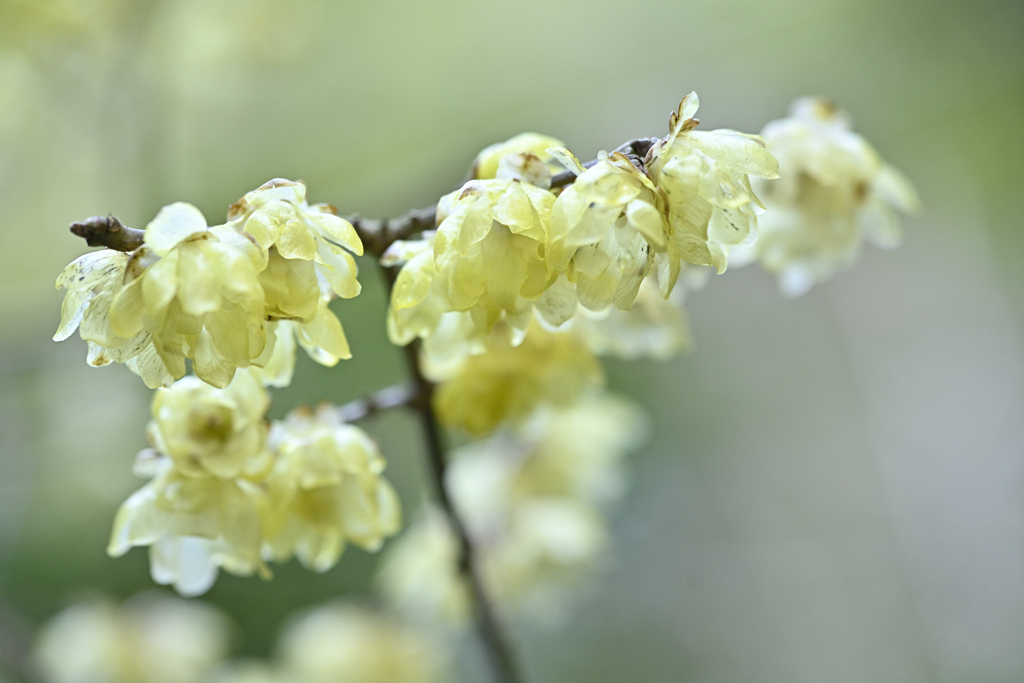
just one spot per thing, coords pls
(340, 643)
(506, 383)
(704, 176)
(193, 526)
(834, 193)
(148, 639)
(326, 490)
(205, 430)
(487, 162)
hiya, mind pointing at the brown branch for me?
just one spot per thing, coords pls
(495, 642)
(100, 231)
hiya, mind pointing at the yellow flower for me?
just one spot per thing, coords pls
(506, 382)
(418, 574)
(835, 191)
(485, 166)
(605, 228)
(148, 639)
(705, 179)
(489, 250)
(205, 430)
(193, 525)
(654, 327)
(91, 282)
(277, 216)
(343, 643)
(326, 490)
(196, 293)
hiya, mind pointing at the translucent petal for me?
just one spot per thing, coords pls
(335, 230)
(127, 309)
(738, 152)
(174, 224)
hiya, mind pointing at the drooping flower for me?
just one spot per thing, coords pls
(195, 291)
(506, 382)
(603, 227)
(834, 193)
(148, 639)
(326, 490)
(489, 251)
(193, 525)
(339, 643)
(704, 176)
(205, 430)
(91, 282)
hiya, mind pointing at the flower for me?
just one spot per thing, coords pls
(277, 216)
(325, 491)
(704, 178)
(206, 430)
(91, 282)
(196, 292)
(525, 145)
(506, 383)
(339, 643)
(488, 250)
(835, 192)
(602, 228)
(193, 526)
(148, 639)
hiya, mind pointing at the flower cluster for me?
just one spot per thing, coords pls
(508, 249)
(224, 297)
(533, 499)
(834, 193)
(228, 491)
(154, 639)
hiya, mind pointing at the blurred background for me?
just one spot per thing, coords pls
(835, 485)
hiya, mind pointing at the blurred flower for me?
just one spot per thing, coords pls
(341, 643)
(148, 639)
(248, 671)
(704, 178)
(835, 191)
(506, 383)
(531, 499)
(325, 491)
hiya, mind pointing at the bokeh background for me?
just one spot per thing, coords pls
(835, 485)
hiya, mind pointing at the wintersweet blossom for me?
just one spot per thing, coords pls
(148, 639)
(489, 250)
(193, 526)
(340, 643)
(325, 491)
(205, 430)
(506, 382)
(834, 193)
(602, 230)
(704, 176)
(196, 293)
(516, 150)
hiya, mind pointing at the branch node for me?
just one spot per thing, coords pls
(107, 231)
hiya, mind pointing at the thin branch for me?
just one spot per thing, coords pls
(107, 231)
(495, 642)
(397, 396)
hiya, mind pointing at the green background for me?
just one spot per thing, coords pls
(835, 485)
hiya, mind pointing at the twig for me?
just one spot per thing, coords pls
(495, 642)
(107, 231)
(392, 397)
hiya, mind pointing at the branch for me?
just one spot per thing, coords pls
(100, 231)
(495, 642)
(397, 396)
